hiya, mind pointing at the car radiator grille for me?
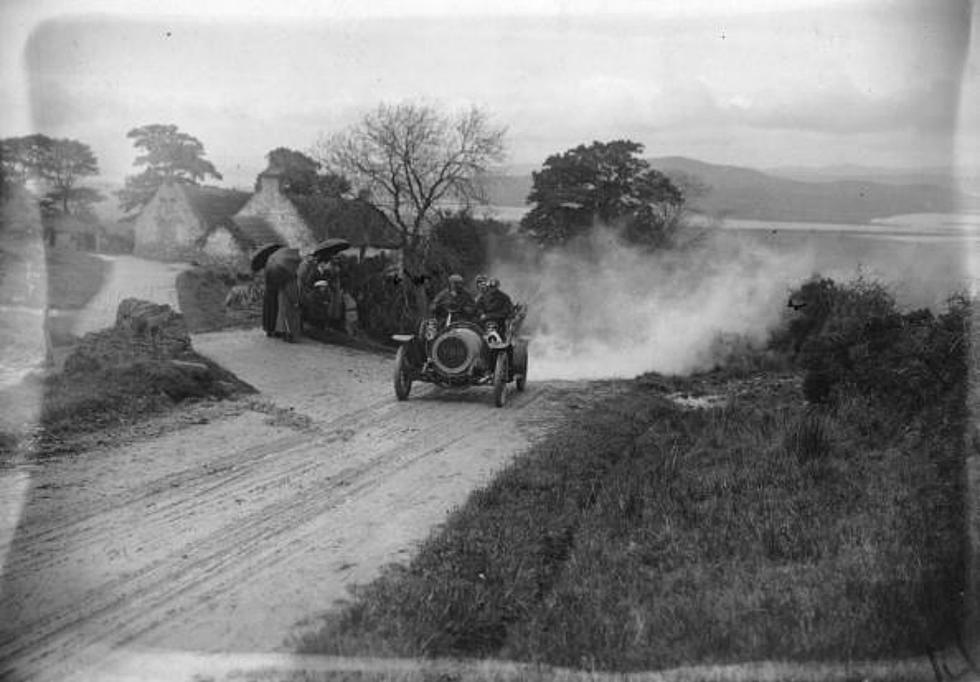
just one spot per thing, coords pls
(452, 353)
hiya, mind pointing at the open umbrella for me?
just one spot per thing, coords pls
(260, 257)
(282, 265)
(330, 247)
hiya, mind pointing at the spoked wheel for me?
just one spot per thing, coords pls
(520, 366)
(403, 380)
(500, 380)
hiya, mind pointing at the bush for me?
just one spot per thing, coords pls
(386, 299)
(853, 339)
(203, 293)
(388, 296)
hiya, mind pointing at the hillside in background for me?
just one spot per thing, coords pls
(845, 195)
(749, 194)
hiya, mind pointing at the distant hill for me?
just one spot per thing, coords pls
(738, 192)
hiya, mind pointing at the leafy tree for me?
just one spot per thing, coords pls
(21, 157)
(604, 182)
(464, 244)
(301, 174)
(55, 164)
(169, 155)
(413, 159)
(66, 162)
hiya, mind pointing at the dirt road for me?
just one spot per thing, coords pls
(128, 277)
(229, 534)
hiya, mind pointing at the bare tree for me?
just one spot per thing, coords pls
(413, 160)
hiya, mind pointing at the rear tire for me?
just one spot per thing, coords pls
(520, 366)
(402, 378)
(500, 380)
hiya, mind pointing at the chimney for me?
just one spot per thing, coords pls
(270, 181)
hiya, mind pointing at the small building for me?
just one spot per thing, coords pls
(233, 241)
(178, 220)
(271, 205)
(304, 221)
(208, 224)
(69, 231)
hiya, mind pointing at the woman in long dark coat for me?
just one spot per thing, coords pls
(270, 305)
(280, 273)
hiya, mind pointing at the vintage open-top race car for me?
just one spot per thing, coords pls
(463, 353)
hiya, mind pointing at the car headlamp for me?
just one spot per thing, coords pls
(431, 329)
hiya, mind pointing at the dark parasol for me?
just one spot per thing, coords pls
(260, 257)
(282, 266)
(329, 248)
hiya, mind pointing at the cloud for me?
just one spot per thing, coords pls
(842, 108)
(719, 83)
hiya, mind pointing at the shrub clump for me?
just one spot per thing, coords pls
(852, 339)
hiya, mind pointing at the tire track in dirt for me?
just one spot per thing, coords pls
(221, 561)
(173, 585)
(241, 462)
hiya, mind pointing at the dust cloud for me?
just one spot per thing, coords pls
(603, 309)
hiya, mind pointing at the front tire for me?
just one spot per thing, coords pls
(500, 380)
(402, 378)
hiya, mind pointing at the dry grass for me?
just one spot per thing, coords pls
(74, 277)
(649, 536)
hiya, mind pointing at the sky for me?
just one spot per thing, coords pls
(763, 84)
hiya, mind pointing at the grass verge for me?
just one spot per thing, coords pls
(74, 277)
(201, 292)
(646, 535)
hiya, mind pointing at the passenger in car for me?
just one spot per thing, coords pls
(493, 305)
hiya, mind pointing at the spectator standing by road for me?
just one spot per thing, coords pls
(281, 276)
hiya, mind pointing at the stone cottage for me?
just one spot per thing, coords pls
(180, 219)
(304, 221)
(210, 224)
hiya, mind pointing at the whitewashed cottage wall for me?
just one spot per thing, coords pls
(167, 227)
(275, 207)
